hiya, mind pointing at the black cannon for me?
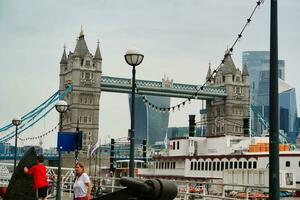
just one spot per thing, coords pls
(136, 189)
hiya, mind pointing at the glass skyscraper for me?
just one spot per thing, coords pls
(288, 110)
(150, 124)
(258, 62)
(259, 70)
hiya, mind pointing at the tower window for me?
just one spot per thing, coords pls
(81, 62)
(87, 75)
(87, 63)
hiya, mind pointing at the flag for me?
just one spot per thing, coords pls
(166, 141)
(94, 148)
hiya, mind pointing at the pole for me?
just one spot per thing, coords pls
(77, 141)
(16, 148)
(90, 162)
(131, 158)
(58, 186)
(100, 162)
(274, 139)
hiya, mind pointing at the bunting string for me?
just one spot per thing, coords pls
(155, 107)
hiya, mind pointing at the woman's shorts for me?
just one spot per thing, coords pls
(42, 192)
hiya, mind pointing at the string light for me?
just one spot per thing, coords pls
(239, 36)
(38, 137)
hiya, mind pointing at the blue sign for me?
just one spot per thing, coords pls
(69, 141)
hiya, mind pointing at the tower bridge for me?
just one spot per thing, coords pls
(226, 95)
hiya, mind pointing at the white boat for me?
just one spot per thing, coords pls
(226, 159)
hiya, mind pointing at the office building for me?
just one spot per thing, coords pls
(149, 123)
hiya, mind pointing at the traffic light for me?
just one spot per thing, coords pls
(192, 125)
(246, 125)
(145, 150)
(112, 154)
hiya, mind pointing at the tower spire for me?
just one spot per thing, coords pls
(245, 70)
(81, 34)
(209, 71)
(81, 48)
(97, 53)
(64, 59)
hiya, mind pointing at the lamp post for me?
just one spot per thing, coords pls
(61, 106)
(133, 57)
(16, 122)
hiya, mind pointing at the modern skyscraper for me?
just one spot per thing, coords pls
(288, 110)
(257, 62)
(150, 124)
(258, 65)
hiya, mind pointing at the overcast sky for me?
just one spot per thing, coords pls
(178, 38)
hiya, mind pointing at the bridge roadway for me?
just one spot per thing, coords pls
(163, 88)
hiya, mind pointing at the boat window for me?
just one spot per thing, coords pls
(191, 165)
(209, 166)
(139, 165)
(231, 165)
(249, 164)
(177, 144)
(287, 163)
(214, 166)
(245, 164)
(218, 166)
(195, 165)
(235, 165)
(299, 164)
(124, 164)
(202, 165)
(206, 166)
(174, 165)
(222, 166)
(254, 165)
(174, 145)
(226, 165)
(199, 163)
(240, 164)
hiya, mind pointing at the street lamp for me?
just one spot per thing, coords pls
(61, 106)
(133, 57)
(16, 121)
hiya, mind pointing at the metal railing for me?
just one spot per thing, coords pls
(186, 189)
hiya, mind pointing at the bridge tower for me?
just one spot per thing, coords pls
(228, 115)
(83, 70)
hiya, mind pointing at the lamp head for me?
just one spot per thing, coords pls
(16, 121)
(61, 106)
(133, 56)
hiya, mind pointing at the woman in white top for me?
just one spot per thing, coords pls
(82, 186)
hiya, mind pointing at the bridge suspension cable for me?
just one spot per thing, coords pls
(183, 103)
(35, 115)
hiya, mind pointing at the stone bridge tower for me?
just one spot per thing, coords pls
(228, 115)
(83, 70)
